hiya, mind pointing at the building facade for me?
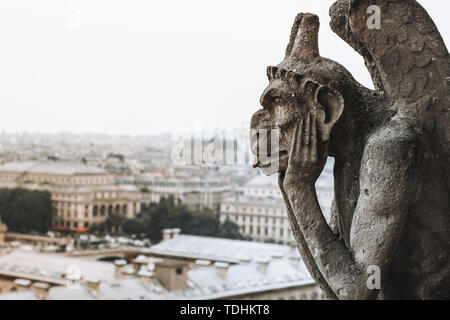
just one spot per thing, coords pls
(259, 211)
(196, 194)
(82, 195)
(262, 219)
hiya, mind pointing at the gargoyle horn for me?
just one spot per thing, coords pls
(304, 41)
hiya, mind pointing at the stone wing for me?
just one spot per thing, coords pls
(407, 59)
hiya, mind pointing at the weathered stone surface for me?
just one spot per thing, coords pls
(391, 148)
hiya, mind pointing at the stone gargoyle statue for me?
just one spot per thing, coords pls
(391, 210)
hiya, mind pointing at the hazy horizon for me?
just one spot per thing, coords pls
(143, 68)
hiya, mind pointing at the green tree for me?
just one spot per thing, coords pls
(98, 228)
(114, 223)
(230, 230)
(156, 217)
(26, 210)
(133, 226)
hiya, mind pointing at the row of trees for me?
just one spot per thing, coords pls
(29, 211)
(26, 211)
(166, 214)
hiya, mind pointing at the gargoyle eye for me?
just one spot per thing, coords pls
(278, 101)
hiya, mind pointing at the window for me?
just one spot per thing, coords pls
(179, 271)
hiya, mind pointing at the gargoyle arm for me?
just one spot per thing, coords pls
(377, 221)
(308, 259)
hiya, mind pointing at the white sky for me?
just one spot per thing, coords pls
(143, 67)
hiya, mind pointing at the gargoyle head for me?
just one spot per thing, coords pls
(303, 83)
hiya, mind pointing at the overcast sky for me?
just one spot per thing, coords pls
(144, 67)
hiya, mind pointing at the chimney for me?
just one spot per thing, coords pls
(276, 255)
(176, 232)
(146, 277)
(167, 234)
(22, 284)
(128, 270)
(202, 263)
(245, 259)
(42, 290)
(172, 274)
(222, 269)
(3, 230)
(93, 286)
(119, 264)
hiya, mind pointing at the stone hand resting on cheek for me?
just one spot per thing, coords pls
(306, 161)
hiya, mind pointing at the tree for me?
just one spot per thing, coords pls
(98, 228)
(133, 226)
(26, 210)
(154, 218)
(114, 222)
(166, 214)
(230, 230)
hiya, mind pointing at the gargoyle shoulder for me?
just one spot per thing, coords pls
(389, 154)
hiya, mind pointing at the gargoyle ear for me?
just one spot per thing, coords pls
(333, 106)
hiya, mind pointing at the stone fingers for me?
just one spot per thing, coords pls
(306, 150)
(313, 139)
(296, 146)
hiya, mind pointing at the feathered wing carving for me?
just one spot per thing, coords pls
(407, 59)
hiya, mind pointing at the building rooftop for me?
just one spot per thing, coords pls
(263, 181)
(51, 267)
(254, 268)
(218, 249)
(70, 188)
(51, 167)
(255, 201)
(203, 283)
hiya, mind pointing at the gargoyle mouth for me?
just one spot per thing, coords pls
(269, 160)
